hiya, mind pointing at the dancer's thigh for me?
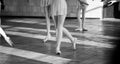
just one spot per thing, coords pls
(61, 19)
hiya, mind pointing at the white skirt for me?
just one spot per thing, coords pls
(58, 7)
(45, 2)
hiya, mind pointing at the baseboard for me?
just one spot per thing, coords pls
(42, 17)
(111, 19)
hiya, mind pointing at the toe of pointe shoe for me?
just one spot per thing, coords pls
(58, 52)
(78, 29)
(84, 30)
(10, 42)
(45, 40)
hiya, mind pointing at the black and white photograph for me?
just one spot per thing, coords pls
(59, 31)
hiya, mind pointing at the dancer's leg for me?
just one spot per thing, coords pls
(67, 33)
(59, 32)
(3, 33)
(8, 40)
(78, 17)
(73, 40)
(47, 15)
(47, 23)
(81, 22)
(83, 18)
(53, 18)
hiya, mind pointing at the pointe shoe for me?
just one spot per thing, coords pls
(58, 52)
(9, 41)
(74, 43)
(47, 38)
(78, 29)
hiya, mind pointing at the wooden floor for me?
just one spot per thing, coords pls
(94, 46)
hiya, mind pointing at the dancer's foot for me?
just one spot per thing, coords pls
(9, 41)
(74, 43)
(47, 38)
(79, 29)
(58, 52)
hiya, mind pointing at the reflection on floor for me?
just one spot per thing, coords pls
(93, 46)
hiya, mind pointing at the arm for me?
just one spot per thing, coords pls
(109, 3)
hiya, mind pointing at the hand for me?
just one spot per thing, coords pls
(82, 2)
(111, 2)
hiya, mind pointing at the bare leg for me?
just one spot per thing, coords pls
(47, 15)
(78, 17)
(73, 40)
(47, 23)
(83, 18)
(81, 23)
(8, 40)
(53, 18)
(59, 33)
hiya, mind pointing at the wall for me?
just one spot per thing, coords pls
(22, 8)
(112, 11)
(34, 8)
(31, 8)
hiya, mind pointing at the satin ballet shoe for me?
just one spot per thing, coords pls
(47, 38)
(58, 52)
(78, 29)
(9, 41)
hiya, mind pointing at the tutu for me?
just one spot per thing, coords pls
(45, 3)
(59, 7)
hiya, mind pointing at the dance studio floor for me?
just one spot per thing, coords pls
(93, 46)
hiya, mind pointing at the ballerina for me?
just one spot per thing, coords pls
(59, 11)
